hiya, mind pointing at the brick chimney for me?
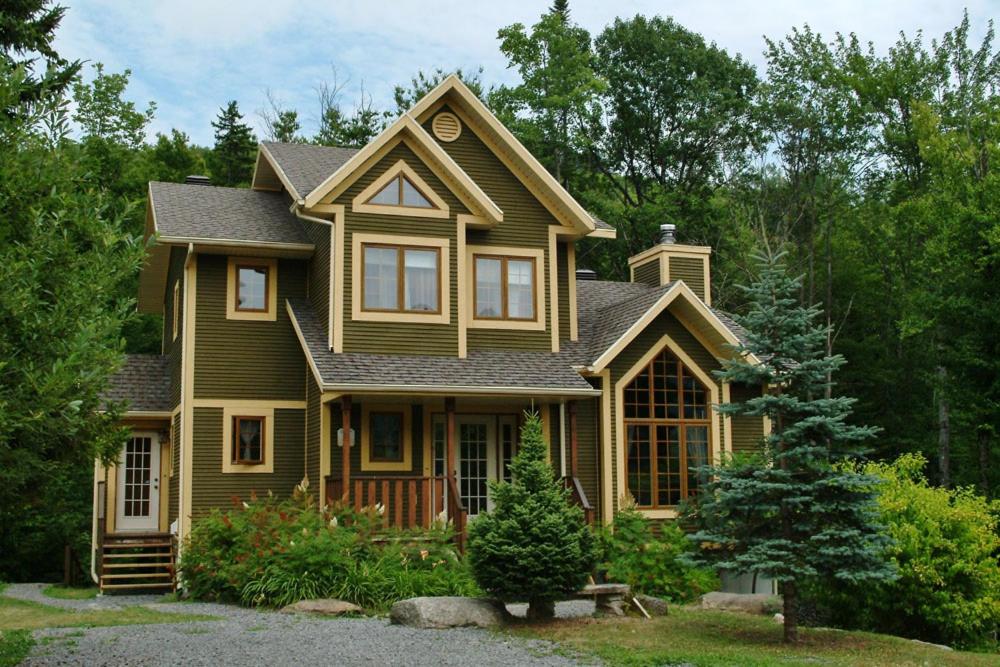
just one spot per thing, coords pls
(668, 261)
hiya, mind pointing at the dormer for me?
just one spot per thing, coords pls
(668, 261)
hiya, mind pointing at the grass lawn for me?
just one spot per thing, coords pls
(70, 592)
(702, 637)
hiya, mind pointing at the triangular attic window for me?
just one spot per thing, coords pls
(400, 192)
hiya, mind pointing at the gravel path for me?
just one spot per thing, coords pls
(242, 636)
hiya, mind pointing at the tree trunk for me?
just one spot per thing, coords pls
(790, 594)
(944, 429)
(985, 436)
(541, 610)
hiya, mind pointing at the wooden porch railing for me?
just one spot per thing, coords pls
(579, 497)
(408, 501)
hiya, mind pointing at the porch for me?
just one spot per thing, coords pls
(426, 460)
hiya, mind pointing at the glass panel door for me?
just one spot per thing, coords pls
(138, 503)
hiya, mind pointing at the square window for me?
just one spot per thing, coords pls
(386, 436)
(251, 288)
(248, 440)
(504, 288)
(401, 279)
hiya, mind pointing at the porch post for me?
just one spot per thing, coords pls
(572, 440)
(345, 452)
(449, 408)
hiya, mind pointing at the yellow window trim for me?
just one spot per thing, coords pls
(538, 255)
(442, 245)
(440, 208)
(268, 315)
(367, 464)
(228, 466)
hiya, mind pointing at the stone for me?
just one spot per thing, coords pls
(751, 603)
(779, 618)
(448, 612)
(323, 607)
(654, 606)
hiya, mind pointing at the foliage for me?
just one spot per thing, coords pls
(338, 127)
(27, 28)
(272, 553)
(59, 330)
(533, 545)
(795, 515)
(102, 111)
(232, 158)
(15, 645)
(70, 592)
(652, 564)
(944, 547)
(25, 615)
(422, 83)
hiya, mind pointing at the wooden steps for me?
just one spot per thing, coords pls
(135, 561)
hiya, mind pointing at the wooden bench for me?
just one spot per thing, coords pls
(608, 598)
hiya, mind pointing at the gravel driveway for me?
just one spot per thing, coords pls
(244, 636)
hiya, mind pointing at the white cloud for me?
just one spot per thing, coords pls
(191, 56)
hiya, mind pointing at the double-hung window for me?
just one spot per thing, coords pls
(401, 279)
(504, 288)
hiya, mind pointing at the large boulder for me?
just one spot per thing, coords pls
(751, 603)
(328, 607)
(654, 606)
(448, 612)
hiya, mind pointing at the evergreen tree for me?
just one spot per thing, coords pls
(27, 28)
(233, 156)
(287, 126)
(794, 514)
(561, 9)
(534, 544)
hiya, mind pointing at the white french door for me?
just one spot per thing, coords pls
(138, 496)
(485, 446)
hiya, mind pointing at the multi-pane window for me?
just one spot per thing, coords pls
(401, 278)
(248, 440)
(400, 191)
(504, 288)
(251, 288)
(386, 436)
(667, 417)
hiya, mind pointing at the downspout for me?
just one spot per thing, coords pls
(186, 358)
(562, 438)
(302, 216)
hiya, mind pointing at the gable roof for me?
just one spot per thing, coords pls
(305, 166)
(183, 213)
(481, 372)
(144, 382)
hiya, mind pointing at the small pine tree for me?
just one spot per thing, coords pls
(233, 156)
(534, 545)
(795, 514)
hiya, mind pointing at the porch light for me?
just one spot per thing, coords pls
(340, 437)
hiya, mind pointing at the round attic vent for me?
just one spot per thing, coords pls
(446, 126)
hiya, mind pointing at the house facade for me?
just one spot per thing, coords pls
(376, 322)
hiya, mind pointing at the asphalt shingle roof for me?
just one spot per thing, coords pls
(144, 382)
(493, 369)
(305, 165)
(224, 214)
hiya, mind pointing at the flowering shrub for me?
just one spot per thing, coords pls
(271, 553)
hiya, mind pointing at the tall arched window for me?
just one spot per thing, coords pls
(667, 423)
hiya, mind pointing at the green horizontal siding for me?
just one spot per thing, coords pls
(397, 337)
(416, 455)
(562, 288)
(174, 481)
(691, 270)
(313, 417)
(648, 273)
(588, 448)
(318, 284)
(211, 488)
(246, 359)
(172, 347)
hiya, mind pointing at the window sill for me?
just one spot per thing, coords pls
(411, 318)
(660, 513)
(518, 325)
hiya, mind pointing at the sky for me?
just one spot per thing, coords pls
(192, 56)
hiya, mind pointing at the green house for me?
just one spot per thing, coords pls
(376, 322)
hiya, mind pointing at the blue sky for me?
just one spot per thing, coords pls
(191, 56)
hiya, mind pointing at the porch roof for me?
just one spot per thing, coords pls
(144, 382)
(491, 372)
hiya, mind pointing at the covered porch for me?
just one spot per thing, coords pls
(426, 460)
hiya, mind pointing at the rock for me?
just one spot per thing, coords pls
(940, 646)
(607, 605)
(757, 603)
(655, 606)
(328, 607)
(448, 612)
(779, 619)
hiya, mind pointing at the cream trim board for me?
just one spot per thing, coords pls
(713, 389)
(360, 203)
(604, 234)
(232, 280)
(248, 404)
(337, 253)
(185, 483)
(607, 485)
(537, 254)
(474, 221)
(237, 410)
(677, 249)
(462, 291)
(727, 420)
(444, 271)
(367, 464)
(278, 171)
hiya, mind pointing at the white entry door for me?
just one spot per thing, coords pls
(138, 504)
(477, 460)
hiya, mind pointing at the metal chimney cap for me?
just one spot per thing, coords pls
(667, 233)
(586, 274)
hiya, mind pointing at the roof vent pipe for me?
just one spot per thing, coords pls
(586, 274)
(667, 233)
(195, 179)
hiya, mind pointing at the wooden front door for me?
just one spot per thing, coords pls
(138, 503)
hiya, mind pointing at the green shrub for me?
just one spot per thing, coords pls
(270, 553)
(533, 545)
(945, 548)
(652, 564)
